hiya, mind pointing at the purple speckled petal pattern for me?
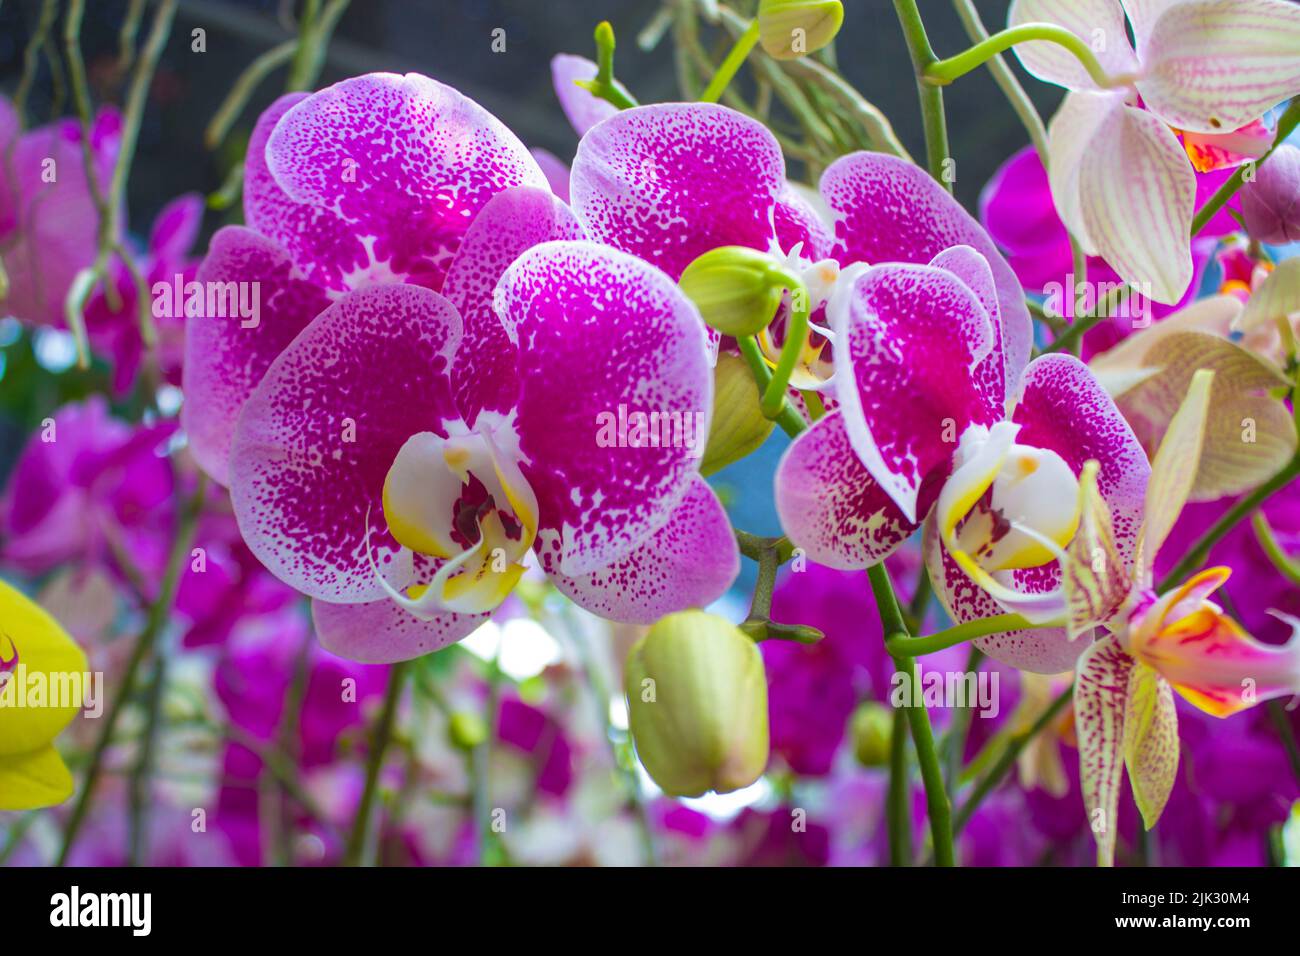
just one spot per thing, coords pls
(406, 161)
(324, 247)
(1065, 408)
(829, 504)
(908, 338)
(1100, 705)
(671, 181)
(382, 632)
(511, 222)
(689, 562)
(224, 359)
(318, 435)
(582, 110)
(603, 336)
(889, 210)
(973, 270)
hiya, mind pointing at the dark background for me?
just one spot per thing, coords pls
(451, 41)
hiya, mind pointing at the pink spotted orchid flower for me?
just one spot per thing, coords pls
(418, 408)
(672, 181)
(1158, 643)
(1207, 70)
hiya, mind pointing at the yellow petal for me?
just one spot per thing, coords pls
(33, 780)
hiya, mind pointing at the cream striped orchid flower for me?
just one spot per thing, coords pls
(1207, 69)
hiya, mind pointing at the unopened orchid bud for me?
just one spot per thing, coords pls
(873, 729)
(735, 289)
(739, 425)
(467, 730)
(697, 705)
(790, 28)
(1271, 203)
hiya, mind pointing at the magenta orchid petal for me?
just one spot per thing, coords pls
(800, 217)
(512, 221)
(671, 181)
(176, 228)
(974, 271)
(605, 341)
(1065, 409)
(689, 562)
(324, 247)
(581, 108)
(318, 435)
(889, 210)
(555, 170)
(830, 506)
(224, 358)
(383, 632)
(908, 338)
(406, 161)
(1039, 651)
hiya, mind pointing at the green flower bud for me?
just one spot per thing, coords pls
(873, 727)
(739, 425)
(790, 28)
(734, 288)
(467, 729)
(697, 705)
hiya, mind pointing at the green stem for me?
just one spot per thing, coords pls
(787, 417)
(989, 782)
(898, 811)
(140, 778)
(604, 86)
(931, 96)
(1288, 568)
(936, 797)
(1277, 711)
(157, 617)
(1286, 125)
(958, 634)
(380, 738)
(244, 87)
(954, 741)
(943, 72)
(1196, 556)
(727, 71)
(1068, 341)
(792, 348)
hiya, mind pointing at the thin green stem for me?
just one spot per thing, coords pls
(381, 736)
(931, 95)
(731, 65)
(792, 348)
(604, 86)
(1286, 125)
(155, 621)
(898, 810)
(1197, 554)
(989, 782)
(958, 634)
(936, 797)
(140, 788)
(243, 88)
(31, 54)
(1287, 567)
(943, 72)
(954, 741)
(1277, 711)
(787, 417)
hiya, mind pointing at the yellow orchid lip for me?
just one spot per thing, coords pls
(465, 501)
(812, 373)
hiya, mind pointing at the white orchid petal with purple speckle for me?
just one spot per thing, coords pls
(318, 435)
(689, 562)
(599, 333)
(830, 506)
(225, 357)
(671, 181)
(406, 161)
(890, 210)
(511, 222)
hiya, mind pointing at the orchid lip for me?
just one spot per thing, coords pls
(461, 499)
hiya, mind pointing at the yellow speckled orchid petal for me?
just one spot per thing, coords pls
(1095, 578)
(1249, 432)
(1278, 297)
(1173, 470)
(1214, 65)
(1100, 705)
(1150, 741)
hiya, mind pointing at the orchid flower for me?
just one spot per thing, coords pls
(1208, 69)
(1159, 643)
(404, 428)
(672, 181)
(33, 645)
